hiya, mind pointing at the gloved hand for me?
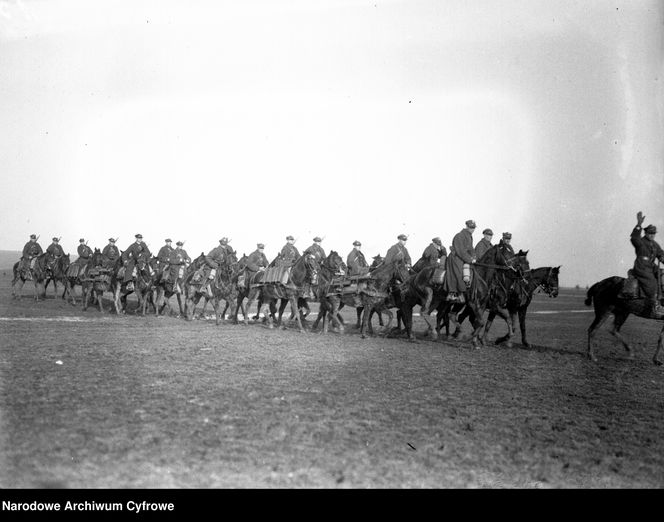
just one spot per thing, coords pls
(639, 218)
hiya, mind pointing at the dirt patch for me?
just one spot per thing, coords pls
(92, 400)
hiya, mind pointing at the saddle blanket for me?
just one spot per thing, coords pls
(277, 274)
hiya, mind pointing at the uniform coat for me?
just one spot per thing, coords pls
(482, 248)
(317, 251)
(357, 264)
(55, 250)
(462, 252)
(397, 251)
(31, 250)
(290, 252)
(130, 256)
(645, 269)
(256, 260)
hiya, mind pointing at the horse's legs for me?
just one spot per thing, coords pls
(293, 302)
(425, 312)
(619, 320)
(600, 319)
(359, 310)
(487, 327)
(507, 338)
(478, 312)
(522, 325)
(407, 318)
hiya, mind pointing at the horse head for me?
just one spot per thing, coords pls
(377, 260)
(550, 281)
(97, 258)
(305, 268)
(334, 263)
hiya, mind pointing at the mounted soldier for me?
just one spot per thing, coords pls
(462, 256)
(435, 254)
(484, 244)
(178, 261)
(645, 268)
(316, 250)
(84, 256)
(256, 262)
(289, 252)
(55, 252)
(356, 262)
(227, 248)
(505, 246)
(129, 257)
(31, 251)
(398, 251)
(214, 260)
(110, 254)
(163, 257)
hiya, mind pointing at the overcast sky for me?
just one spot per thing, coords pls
(344, 119)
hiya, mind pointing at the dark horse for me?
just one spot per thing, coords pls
(195, 281)
(353, 300)
(605, 296)
(492, 277)
(520, 296)
(37, 273)
(99, 279)
(58, 274)
(166, 286)
(141, 283)
(303, 272)
(328, 291)
(382, 292)
(224, 287)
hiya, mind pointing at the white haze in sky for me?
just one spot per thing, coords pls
(343, 119)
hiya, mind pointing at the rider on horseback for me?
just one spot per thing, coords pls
(357, 264)
(463, 255)
(31, 250)
(484, 244)
(55, 252)
(84, 255)
(110, 254)
(645, 269)
(164, 257)
(178, 261)
(129, 258)
(213, 260)
(289, 253)
(316, 250)
(256, 262)
(434, 255)
(398, 251)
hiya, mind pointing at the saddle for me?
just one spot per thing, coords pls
(277, 274)
(630, 288)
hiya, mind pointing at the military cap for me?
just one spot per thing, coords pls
(223, 240)
(139, 236)
(81, 240)
(357, 243)
(650, 229)
(402, 237)
(470, 223)
(179, 243)
(111, 240)
(32, 236)
(376, 257)
(56, 239)
(290, 238)
(487, 231)
(168, 241)
(507, 235)
(437, 241)
(317, 239)
(260, 245)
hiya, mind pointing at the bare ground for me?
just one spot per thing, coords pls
(146, 402)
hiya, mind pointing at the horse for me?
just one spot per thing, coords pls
(140, 283)
(35, 272)
(493, 275)
(304, 271)
(99, 278)
(58, 274)
(354, 300)
(73, 278)
(606, 299)
(144, 285)
(520, 296)
(382, 292)
(248, 290)
(165, 288)
(195, 281)
(329, 292)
